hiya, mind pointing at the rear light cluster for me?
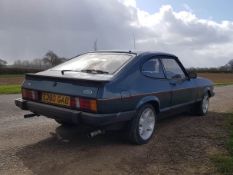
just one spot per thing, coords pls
(86, 104)
(75, 102)
(29, 94)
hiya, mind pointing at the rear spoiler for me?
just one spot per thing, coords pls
(34, 75)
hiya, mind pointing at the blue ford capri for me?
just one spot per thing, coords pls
(109, 89)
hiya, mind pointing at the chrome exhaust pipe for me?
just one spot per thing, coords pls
(95, 133)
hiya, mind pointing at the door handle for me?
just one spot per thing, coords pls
(173, 83)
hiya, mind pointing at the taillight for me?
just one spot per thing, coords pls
(81, 103)
(29, 94)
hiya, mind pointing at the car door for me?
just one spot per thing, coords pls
(155, 81)
(182, 87)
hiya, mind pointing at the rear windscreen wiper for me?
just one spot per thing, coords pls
(63, 71)
(94, 71)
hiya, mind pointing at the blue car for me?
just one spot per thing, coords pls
(109, 89)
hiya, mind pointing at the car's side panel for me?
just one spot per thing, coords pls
(202, 87)
(148, 99)
(134, 102)
(131, 89)
(158, 88)
(183, 88)
(183, 91)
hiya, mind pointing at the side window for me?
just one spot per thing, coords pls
(172, 69)
(153, 68)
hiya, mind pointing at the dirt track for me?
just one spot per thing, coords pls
(182, 144)
(11, 80)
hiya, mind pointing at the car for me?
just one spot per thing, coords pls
(108, 90)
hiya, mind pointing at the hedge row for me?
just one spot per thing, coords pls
(7, 70)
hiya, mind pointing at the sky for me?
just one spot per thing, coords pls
(200, 33)
(208, 9)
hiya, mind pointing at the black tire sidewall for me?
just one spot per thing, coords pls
(134, 129)
(201, 112)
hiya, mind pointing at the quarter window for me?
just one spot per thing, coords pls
(173, 70)
(153, 68)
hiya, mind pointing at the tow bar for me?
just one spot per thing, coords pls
(31, 115)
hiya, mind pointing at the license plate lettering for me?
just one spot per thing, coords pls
(62, 100)
(56, 99)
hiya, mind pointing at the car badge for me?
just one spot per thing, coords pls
(87, 91)
(55, 84)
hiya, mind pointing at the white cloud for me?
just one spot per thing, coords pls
(130, 3)
(71, 26)
(198, 42)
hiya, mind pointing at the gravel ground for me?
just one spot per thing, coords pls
(182, 144)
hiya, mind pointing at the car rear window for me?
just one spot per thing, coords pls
(108, 63)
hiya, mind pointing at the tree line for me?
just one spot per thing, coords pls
(227, 68)
(36, 65)
(49, 60)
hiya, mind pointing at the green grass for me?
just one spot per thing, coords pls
(10, 89)
(224, 163)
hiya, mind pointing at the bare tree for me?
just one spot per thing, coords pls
(2, 62)
(52, 59)
(228, 66)
(230, 63)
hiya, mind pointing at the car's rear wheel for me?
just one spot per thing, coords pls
(142, 127)
(202, 107)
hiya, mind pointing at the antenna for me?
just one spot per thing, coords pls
(134, 42)
(96, 45)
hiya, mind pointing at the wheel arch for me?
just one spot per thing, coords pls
(153, 100)
(207, 90)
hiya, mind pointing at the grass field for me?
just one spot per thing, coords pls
(218, 78)
(10, 83)
(10, 89)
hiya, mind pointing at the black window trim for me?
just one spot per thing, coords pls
(178, 62)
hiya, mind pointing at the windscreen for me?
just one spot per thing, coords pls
(107, 63)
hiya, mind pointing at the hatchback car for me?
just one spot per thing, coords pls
(127, 90)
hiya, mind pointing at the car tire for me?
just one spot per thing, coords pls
(142, 127)
(64, 123)
(202, 107)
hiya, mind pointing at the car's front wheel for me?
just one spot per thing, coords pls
(202, 107)
(142, 127)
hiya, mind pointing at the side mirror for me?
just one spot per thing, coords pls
(192, 75)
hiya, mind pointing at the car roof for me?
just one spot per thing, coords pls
(144, 53)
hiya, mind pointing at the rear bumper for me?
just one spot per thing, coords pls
(74, 116)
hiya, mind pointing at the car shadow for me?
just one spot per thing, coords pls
(70, 144)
